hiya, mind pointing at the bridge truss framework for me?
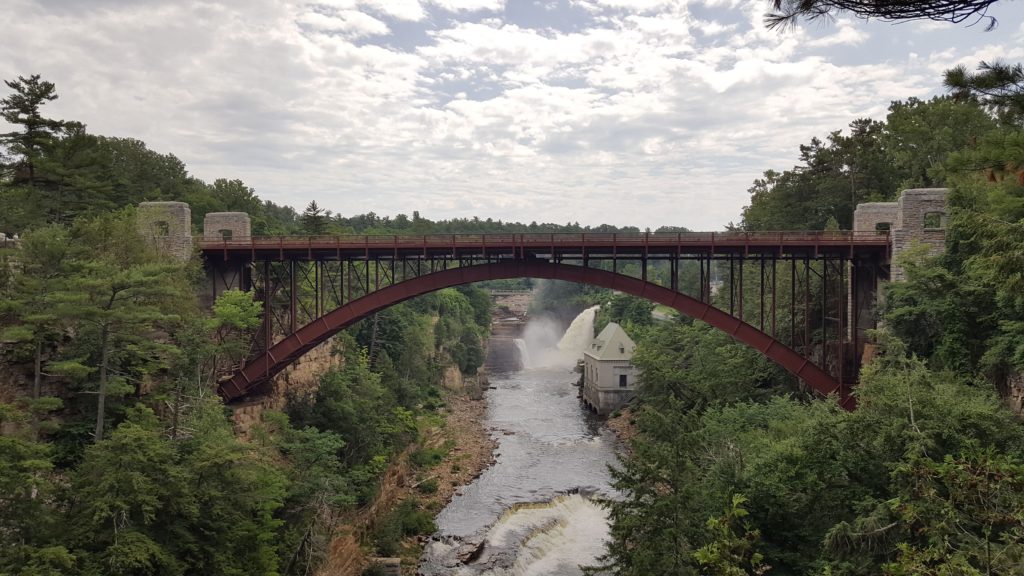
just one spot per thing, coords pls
(809, 293)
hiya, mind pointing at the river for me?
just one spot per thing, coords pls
(532, 512)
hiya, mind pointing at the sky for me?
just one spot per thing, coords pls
(628, 112)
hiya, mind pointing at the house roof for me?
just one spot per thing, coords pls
(611, 344)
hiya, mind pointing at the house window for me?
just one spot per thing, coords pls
(883, 226)
(933, 220)
(622, 380)
(225, 234)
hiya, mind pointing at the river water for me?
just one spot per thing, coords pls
(532, 512)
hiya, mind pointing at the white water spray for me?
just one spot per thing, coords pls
(545, 349)
(579, 334)
(547, 538)
(524, 353)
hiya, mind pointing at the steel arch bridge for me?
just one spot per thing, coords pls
(801, 299)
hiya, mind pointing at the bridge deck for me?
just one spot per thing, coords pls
(566, 245)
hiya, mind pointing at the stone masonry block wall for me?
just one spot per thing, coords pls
(914, 206)
(916, 203)
(237, 223)
(867, 216)
(168, 225)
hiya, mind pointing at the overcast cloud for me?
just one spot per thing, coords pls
(631, 112)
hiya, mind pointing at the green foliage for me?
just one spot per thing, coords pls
(873, 163)
(94, 306)
(921, 134)
(834, 176)
(997, 85)
(428, 457)
(428, 486)
(940, 314)
(144, 505)
(731, 553)
(630, 312)
(963, 514)
(407, 519)
(698, 364)
(818, 500)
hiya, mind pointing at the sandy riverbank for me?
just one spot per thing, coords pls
(623, 424)
(471, 452)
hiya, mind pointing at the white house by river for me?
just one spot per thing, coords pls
(609, 377)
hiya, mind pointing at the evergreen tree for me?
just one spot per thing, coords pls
(29, 305)
(38, 133)
(997, 85)
(314, 219)
(120, 294)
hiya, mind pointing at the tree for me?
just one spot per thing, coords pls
(38, 134)
(314, 219)
(30, 304)
(919, 136)
(26, 494)
(789, 12)
(731, 553)
(997, 85)
(833, 177)
(122, 489)
(119, 294)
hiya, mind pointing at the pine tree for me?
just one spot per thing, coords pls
(38, 134)
(120, 295)
(29, 305)
(997, 85)
(314, 219)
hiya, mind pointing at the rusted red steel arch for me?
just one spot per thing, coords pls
(280, 355)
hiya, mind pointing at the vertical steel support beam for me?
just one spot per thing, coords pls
(824, 314)
(732, 286)
(268, 323)
(792, 302)
(761, 288)
(700, 264)
(855, 319)
(348, 265)
(741, 288)
(807, 307)
(293, 283)
(774, 294)
(842, 313)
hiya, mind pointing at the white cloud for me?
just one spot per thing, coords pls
(351, 23)
(847, 33)
(410, 10)
(633, 113)
(469, 5)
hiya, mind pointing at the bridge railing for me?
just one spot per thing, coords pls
(532, 239)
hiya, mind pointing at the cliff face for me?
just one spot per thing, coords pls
(1015, 393)
(299, 379)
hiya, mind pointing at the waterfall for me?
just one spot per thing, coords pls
(524, 353)
(533, 539)
(579, 334)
